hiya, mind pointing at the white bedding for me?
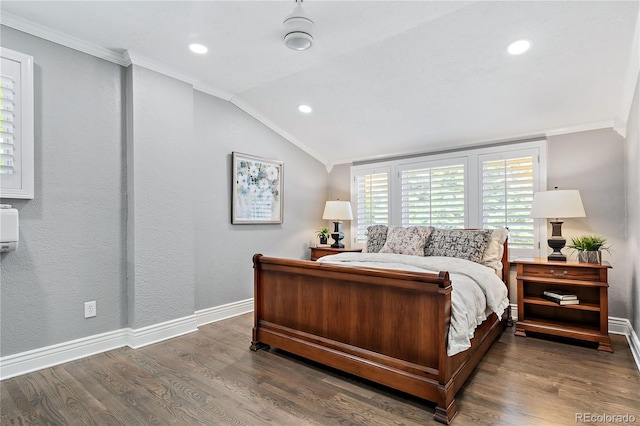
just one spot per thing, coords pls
(477, 290)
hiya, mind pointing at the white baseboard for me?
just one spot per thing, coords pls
(48, 356)
(36, 359)
(217, 313)
(616, 326)
(623, 326)
(514, 311)
(634, 344)
(155, 333)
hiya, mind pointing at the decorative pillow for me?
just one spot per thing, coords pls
(492, 256)
(409, 241)
(376, 237)
(461, 243)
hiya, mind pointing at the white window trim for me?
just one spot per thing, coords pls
(24, 114)
(472, 212)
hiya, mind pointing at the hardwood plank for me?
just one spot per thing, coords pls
(16, 408)
(212, 378)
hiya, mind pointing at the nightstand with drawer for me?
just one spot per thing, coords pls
(318, 252)
(587, 320)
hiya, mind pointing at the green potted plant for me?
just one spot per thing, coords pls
(323, 234)
(589, 248)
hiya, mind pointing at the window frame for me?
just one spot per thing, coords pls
(473, 183)
(365, 171)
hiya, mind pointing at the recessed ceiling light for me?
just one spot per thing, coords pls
(304, 108)
(198, 48)
(518, 47)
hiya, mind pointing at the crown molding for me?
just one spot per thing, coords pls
(584, 127)
(58, 37)
(134, 58)
(620, 126)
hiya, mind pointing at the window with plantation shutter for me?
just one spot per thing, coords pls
(508, 184)
(433, 196)
(488, 187)
(371, 201)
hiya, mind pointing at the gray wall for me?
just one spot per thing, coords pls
(160, 191)
(633, 209)
(593, 162)
(156, 210)
(224, 251)
(72, 234)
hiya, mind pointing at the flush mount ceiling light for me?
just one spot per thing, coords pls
(298, 29)
(198, 48)
(304, 108)
(519, 46)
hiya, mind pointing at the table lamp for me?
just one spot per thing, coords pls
(337, 211)
(557, 204)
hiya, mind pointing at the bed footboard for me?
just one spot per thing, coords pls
(387, 326)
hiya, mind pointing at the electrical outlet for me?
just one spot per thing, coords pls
(90, 309)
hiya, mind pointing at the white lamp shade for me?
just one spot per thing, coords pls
(557, 204)
(337, 210)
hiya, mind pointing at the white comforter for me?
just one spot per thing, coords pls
(477, 290)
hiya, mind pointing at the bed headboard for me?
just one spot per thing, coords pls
(506, 266)
(377, 235)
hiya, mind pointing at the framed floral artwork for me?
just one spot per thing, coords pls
(257, 193)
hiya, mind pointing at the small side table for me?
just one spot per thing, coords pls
(318, 252)
(587, 320)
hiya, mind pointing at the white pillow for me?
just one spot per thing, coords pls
(409, 240)
(492, 256)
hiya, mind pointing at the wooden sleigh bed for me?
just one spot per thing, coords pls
(387, 326)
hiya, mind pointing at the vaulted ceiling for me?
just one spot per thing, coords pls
(383, 77)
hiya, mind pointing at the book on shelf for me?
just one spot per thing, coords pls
(560, 295)
(562, 302)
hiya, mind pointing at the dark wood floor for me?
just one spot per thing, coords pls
(211, 378)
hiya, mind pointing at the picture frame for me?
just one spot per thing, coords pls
(257, 195)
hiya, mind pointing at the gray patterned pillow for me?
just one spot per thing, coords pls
(409, 241)
(376, 237)
(462, 243)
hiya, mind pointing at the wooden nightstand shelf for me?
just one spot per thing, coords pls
(589, 320)
(318, 252)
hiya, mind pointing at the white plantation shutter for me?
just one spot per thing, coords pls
(433, 196)
(507, 188)
(488, 187)
(371, 190)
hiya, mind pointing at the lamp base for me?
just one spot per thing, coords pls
(557, 242)
(337, 235)
(557, 257)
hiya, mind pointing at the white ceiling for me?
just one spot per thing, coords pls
(383, 77)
